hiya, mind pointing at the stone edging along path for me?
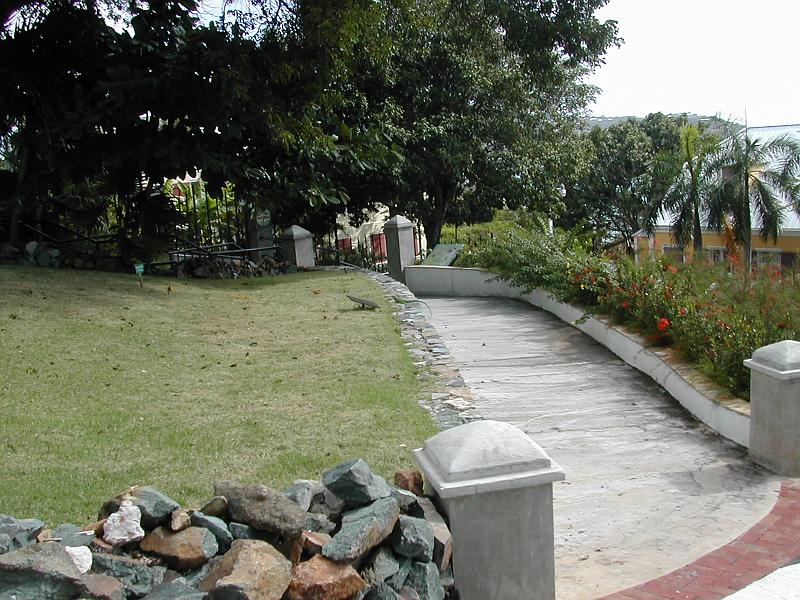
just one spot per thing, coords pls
(708, 402)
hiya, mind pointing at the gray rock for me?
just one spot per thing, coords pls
(39, 571)
(22, 532)
(193, 578)
(407, 501)
(424, 579)
(328, 504)
(355, 483)
(216, 526)
(318, 523)
(407, 593)
(413, 538)
(138, 578)
(72, 535)
(398, 580)
(240, 531)
(381, 566)
(175, 590)
(156, 507)
(262, 508)
(362, 530)
(41, 257)
(303, 491)
(381, 591)
(6, 543)
(442, 538)
(216, 507)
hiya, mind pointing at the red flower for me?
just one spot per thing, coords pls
(682, 312)
(662, 324)
(625, 305)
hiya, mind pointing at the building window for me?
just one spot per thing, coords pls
(767, 258)
(674, 253)
(717, 254)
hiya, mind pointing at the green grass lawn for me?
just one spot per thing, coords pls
(104, 385)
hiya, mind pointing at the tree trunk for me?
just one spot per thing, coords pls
(440, 200)
(697, 229)
(251, 225)
(16, 211)
(433, 229)
(747, 226)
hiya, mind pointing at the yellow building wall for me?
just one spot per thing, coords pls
(786, 243)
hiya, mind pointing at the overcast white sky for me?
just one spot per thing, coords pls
(703, 56)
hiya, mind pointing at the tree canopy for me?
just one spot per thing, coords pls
(631, 167)
(432, 107)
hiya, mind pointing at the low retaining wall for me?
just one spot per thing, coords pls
(725, 414)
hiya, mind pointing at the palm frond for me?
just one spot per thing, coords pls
(768, 207)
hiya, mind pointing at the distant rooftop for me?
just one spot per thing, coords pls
(713, 123)
(605, 122)
(773, 131)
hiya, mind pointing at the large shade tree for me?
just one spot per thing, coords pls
(483, 100)
(111, 112)
(299, 103)
(630, 170)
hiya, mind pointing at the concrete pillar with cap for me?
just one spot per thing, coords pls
(775, 407)
(495, 485)
(400, 253)
(297, 245)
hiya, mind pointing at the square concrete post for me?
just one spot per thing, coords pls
(775, 407)
(297, 245)
(399, 233)
(496, 487)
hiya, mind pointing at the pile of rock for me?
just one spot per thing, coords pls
(351, 536)
(207, 267)
(40, 254)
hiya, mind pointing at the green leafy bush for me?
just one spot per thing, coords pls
(714, 318)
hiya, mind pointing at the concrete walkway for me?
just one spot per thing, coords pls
(648, 489)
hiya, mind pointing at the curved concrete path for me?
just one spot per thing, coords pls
(648, 489)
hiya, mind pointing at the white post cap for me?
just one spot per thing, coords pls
(780, 360)
(295, 232)
(484, 456)
(398, 222)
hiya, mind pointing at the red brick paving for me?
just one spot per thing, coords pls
(770, 544)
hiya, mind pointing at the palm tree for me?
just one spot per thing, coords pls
(687, 196)
(753, 178)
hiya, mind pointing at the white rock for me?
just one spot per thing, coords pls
(81, 556)
(458, 404)
(124, 525)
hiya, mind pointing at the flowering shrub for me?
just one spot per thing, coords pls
(714, 318)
